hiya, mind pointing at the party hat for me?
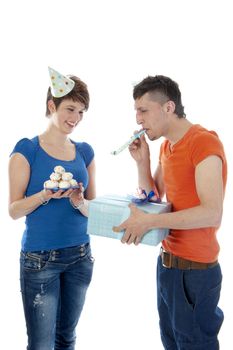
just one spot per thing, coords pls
(60, 84)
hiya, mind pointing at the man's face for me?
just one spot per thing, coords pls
(152, 116)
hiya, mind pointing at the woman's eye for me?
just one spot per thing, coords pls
(70, 109)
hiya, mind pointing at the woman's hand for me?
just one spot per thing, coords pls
(78, 201)
(77, 193)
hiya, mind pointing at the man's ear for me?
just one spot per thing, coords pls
(170, 106)
(51, 106)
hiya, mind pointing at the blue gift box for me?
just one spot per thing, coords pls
(111, 210)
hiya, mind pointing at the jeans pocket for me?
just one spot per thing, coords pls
(189, 295)
(89, 257)
(33, 261)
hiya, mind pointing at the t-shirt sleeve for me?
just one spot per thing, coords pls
(204, 145)
(87, 152)
(26, 148)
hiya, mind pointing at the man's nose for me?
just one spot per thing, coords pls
(138, 118)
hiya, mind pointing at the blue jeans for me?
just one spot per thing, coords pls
(187, 303)
(53, 286)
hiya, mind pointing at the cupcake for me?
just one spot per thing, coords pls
(51, 185)
(67, 176)
(59, 169)
(73, 183)
(64, 185)
(55, 177)
(60, 180)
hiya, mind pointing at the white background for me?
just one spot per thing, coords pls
(111, 45)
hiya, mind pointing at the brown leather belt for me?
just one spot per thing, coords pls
(171, 261)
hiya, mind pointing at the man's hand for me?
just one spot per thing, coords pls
(135, 226)
(139, 150)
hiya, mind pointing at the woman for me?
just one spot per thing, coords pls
(56, 261)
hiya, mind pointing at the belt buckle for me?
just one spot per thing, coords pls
(163, 255)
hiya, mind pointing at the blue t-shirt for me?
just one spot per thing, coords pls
(57, 224)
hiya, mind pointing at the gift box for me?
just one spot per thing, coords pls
(111, 210)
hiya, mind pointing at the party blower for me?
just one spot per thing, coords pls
(131, 140)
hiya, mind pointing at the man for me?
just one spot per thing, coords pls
(192, 173)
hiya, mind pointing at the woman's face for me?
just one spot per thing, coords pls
(67, 116)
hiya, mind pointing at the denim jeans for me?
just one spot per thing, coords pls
(53, 286)
(187, 303)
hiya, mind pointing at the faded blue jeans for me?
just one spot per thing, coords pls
(53, 286)
(190, 318)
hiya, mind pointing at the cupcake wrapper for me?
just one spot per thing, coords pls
(55, 189)
(74, 187)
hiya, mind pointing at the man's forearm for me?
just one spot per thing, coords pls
(145, 179)
(196, 217)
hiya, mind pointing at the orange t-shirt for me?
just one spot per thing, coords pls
(178, 169)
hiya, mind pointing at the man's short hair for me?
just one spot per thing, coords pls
(166, 88)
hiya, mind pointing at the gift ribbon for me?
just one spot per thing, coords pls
(147, 198)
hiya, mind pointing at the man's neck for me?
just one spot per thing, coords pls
(178, 128)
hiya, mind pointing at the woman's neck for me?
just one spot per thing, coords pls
(54, 137)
